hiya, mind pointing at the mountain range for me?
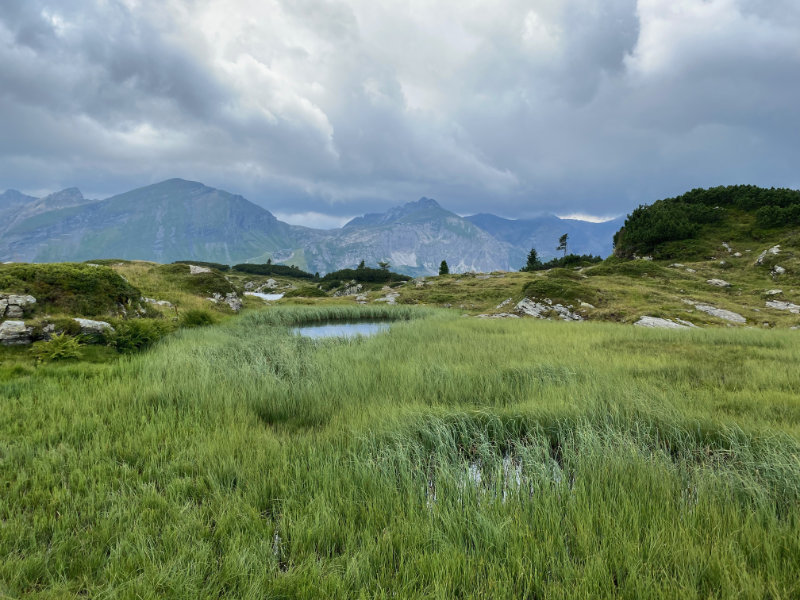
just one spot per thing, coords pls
(186, 220)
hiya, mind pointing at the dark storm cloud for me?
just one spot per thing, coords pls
(328, 107)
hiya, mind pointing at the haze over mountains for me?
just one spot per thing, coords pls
(182, 220)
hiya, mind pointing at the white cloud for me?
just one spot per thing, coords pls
(317, 107)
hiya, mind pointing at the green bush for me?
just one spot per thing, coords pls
(306, 291)
(58, 347)
(559, 290)
(197, 317)
(137, 334)
(200, 263)
(272, 269)
(199, 284)
(72, 288)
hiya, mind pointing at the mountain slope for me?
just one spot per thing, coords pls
(414, 238)
(542, 233)
(168, 221)
(179, 220)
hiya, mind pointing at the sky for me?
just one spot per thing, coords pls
(320, 110)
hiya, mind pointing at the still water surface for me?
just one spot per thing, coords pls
(345, 329)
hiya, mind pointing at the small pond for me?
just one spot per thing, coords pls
(343, 329)
(267, 297)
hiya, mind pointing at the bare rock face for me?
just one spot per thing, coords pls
(792, 308)
(778, 270)
(718, 282)
(721, 313)
(544, 310)
(775, 250)
(351, 289)
(195, 270)
(663, 323)
(93, 327)
(15, 333)
(158, 302)
(231, 299)
(14, 306)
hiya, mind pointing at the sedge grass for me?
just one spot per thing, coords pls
(450, 457)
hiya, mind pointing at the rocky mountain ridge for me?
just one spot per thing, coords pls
(185, 220)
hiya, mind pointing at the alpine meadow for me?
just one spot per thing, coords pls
(418, 300)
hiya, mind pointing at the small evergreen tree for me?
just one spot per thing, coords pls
(562, 243)
(533, 263)
(362, 264)
(384, 265)
(443, 268)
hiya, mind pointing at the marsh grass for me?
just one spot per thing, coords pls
(449, 457)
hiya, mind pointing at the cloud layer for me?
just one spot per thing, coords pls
(337, 107)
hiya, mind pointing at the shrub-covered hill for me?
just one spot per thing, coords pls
(70, 288)
(693, 225)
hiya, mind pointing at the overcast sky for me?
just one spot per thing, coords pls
(324, 109)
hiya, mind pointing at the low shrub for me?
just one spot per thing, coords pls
(306, 291)
(71, 288)
(137, 334)
(197, 317)
(58, 347)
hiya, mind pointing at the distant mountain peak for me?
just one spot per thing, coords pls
(423, 203)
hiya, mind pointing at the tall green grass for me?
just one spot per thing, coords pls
(450, 457)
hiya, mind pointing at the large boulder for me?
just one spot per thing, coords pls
(544, 309)
(15, 333)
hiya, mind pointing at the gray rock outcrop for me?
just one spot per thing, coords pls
(15, 333)
(721, 313)
(663, 323)
(231, 299)
(545, 309)
(90, 327)
(777, 304)
(718, 282)
(14, 306)
(195, 270)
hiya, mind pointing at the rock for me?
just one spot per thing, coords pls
(249, 285)
(499, 316)
(775, 250)
(419, 284)
(773, 292)
(389, 298)
(676, 265)
(505, 302)
(661, 323)
(271, 284)
(727, 247)
(231, 299)
(195, 270)
(721, 313)
(688, 270)
(483, 276)
(776, 270)
(15, 305)
(14, 312)
(15, 333)
(529, 307)
(792, 308)
(93, 327)
(587, 305)
(352, 289)
(158, 302)
(718, 282)
(737, 254)
(361, 298)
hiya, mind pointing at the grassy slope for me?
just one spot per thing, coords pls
(241, 461)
